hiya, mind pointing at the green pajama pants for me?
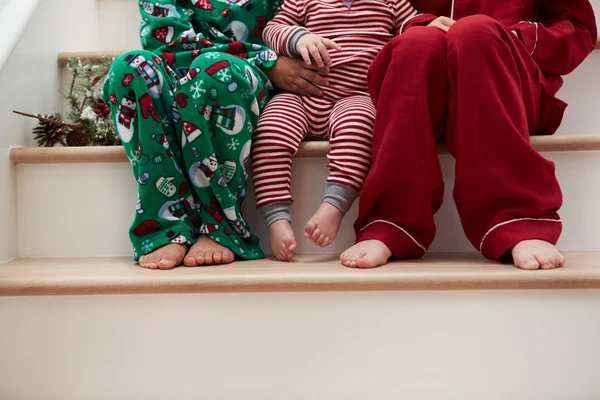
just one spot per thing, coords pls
(188, 140)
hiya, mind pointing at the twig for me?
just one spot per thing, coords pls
(38, 117)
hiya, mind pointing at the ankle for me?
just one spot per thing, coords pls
(340, 196)
(275, 212)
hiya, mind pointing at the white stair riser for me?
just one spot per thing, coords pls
(534, 345)
(85, 210)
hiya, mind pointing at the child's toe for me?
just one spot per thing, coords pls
(167, 263)
(315, 236)
(321, 239)
(228, 256)
(309, 229)
(190, 261)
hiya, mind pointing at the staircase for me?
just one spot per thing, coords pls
(78, 320)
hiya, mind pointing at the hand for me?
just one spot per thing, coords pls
(292, 75)
(316, 46)
(443, 23)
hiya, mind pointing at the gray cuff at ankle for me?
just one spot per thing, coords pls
(340, 196)
(274, 212)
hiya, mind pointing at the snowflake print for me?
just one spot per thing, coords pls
(224, 75)
(233, 196)
(234, 144)
(147, 246)
(212, 55)
(247, 94)
(134, 159)
(164, 121)
(135, 254)
(217, 240)
(249, 127)
(198, 89)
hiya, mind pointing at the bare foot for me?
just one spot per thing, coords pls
(367, 254)
(283, 241)
(537, 254)
(207, 252)
(167, 257)
(324, 226)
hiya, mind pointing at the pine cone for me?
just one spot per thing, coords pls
(77, 138)
(51, 131)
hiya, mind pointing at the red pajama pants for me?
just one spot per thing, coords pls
(288, 119)
(480, 86)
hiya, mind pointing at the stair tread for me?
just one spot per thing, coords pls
(56, 155)
(64, 57)
(307, 273)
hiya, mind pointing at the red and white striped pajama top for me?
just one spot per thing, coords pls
(345, 114)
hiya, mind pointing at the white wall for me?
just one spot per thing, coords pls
(518, 345)
(29, 82)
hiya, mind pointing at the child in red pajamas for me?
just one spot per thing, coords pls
(485, 74)
(357, 30)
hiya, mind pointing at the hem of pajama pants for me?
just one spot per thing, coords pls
(498, 242)
(399, 241)
(238, 254)
(159, 241)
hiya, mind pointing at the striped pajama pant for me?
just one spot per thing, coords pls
(288, 119)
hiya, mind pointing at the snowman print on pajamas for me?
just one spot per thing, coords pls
(237, 31)
(209, 166)
(158, 10)
(236, 223)
(230, 119)
(177, 238)
(126, 117)
(201, 173)
(267, 55)
(190, 133)
(207, 229)
(145, 69)
(182, 209)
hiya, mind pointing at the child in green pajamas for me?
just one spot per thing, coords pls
(185, 108)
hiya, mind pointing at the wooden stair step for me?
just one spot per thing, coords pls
(307, 273)
(63, 58)
(59, 155)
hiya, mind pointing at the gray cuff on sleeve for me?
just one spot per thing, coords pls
(340, 196)
(274, 212)
(294, 40)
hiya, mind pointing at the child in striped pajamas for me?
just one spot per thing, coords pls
(356, 31)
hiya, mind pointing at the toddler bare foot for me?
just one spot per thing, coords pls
(207, 252)
(324, 226)
(367, 254)
(167, 257)
(537, 254)
(283, 241)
